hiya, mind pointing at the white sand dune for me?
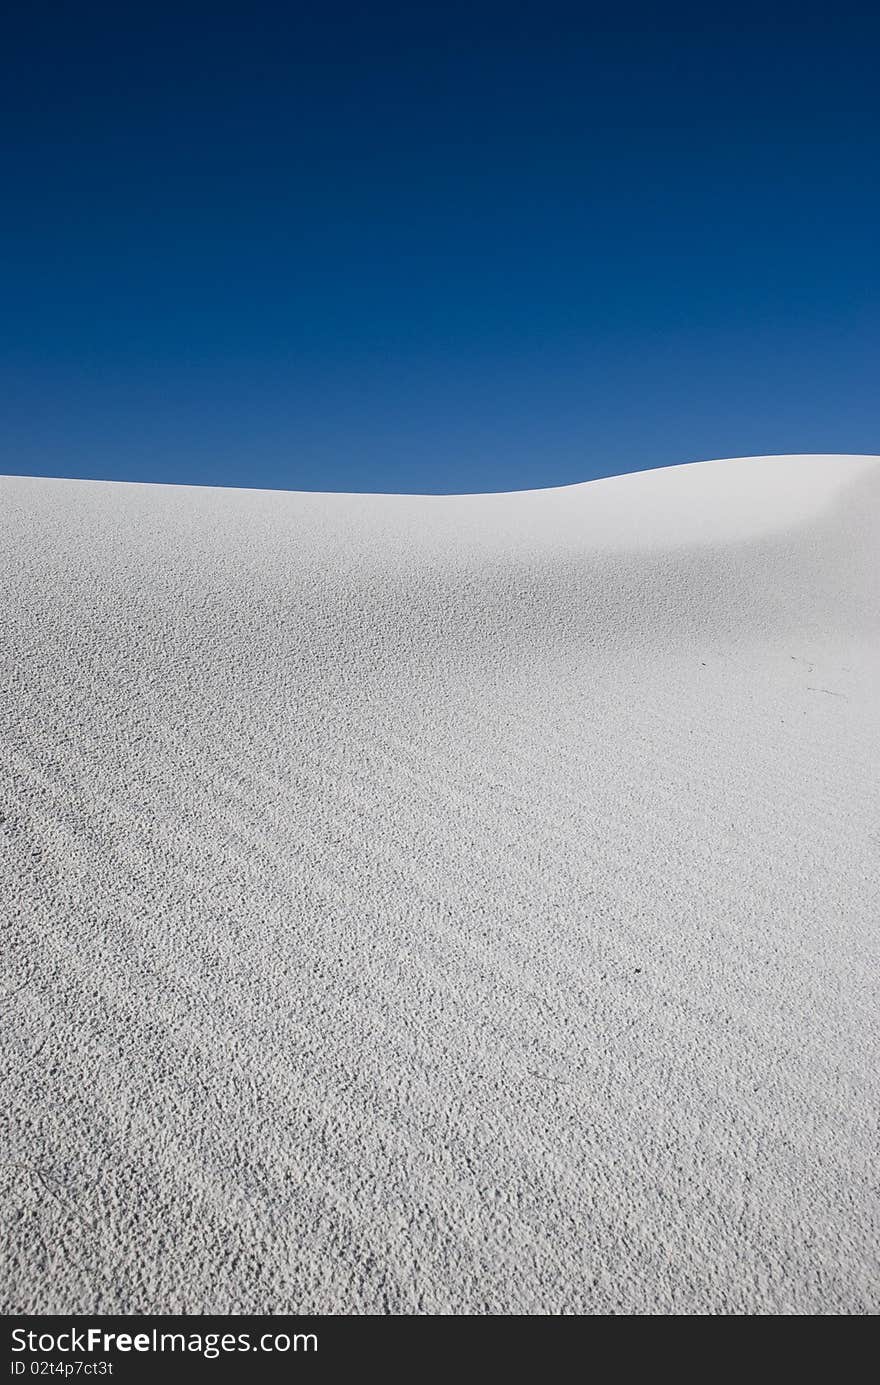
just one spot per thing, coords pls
(424, 904)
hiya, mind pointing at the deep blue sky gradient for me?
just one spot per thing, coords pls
(435, 248)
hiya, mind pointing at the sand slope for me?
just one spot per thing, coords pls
(443, 904)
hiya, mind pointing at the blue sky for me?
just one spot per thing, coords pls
(435, 248)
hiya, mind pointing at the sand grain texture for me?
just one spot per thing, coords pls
(425, 905)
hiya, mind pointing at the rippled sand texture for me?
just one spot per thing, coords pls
(421, 905)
